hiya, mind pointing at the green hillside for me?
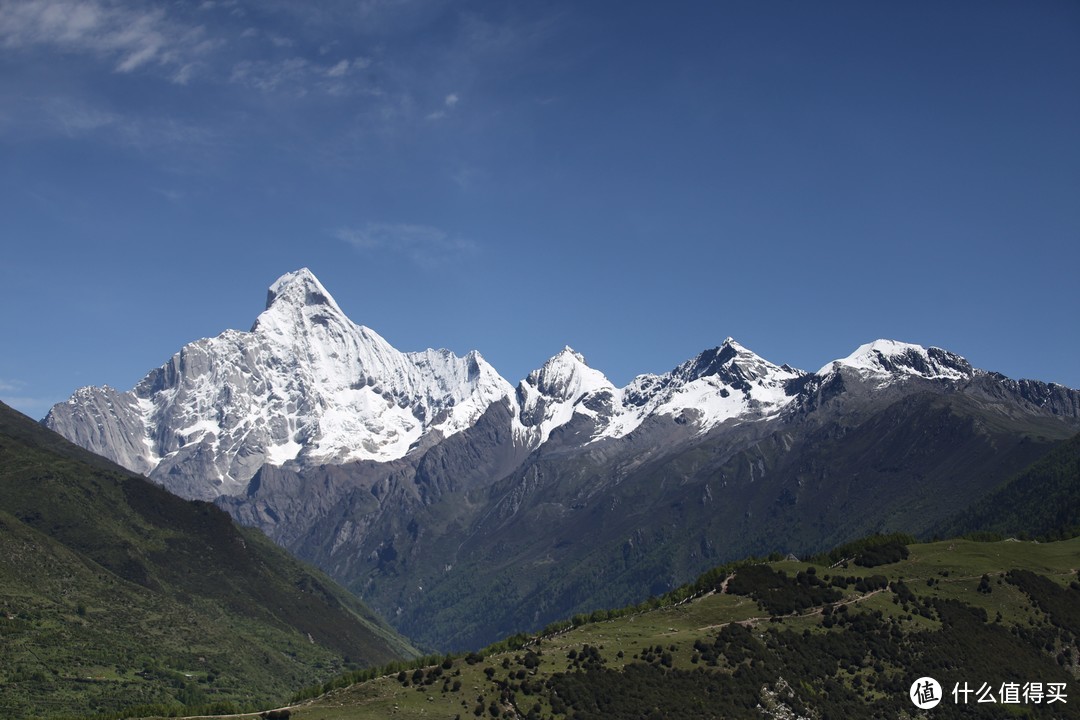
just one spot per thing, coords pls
(115, 593)
(779, 639)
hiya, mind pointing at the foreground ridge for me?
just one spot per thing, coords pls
(792, 639)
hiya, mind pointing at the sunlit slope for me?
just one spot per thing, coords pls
(859, 638)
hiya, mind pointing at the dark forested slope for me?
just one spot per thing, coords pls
(113, 592)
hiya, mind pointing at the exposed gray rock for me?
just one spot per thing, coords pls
(107, 422)
(305, 385)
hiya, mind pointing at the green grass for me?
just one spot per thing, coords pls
(114, 593)
(955, 567)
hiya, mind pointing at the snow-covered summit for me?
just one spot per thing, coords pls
(298, 304)
(305, 384)
(725, 383)
(298, 289)
(551, 395)
(890, 360)
(567, 376)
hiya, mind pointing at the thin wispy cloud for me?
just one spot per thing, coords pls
(208, 45)
(269, 75)
(424, 245)
(466, 176)
(128, 37)
(74, 119)
(449, 102)
(131, 37)
(173, 196)
(351, 69)
(338, 70)
(297, 76)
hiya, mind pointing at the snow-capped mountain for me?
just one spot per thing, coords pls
(726, 383)
(305, 384)
(411, 476)
(889, 360)
(563, 387)
(308, 386)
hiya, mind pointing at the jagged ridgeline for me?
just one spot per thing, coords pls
(114, 593)
(464, 508)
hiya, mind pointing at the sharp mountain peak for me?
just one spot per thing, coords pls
(307, 386)
(299, 288)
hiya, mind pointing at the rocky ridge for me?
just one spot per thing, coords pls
(305, 386)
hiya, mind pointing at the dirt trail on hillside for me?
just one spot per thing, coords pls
(818, 610)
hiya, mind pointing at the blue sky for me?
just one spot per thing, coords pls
(637, 180)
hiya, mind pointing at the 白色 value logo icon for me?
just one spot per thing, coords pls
(925, 693)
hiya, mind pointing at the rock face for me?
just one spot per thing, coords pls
(305, 385)
(107, 422)
(465, 509)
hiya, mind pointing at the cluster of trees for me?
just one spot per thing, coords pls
(588, 658)
(656, 693)
(734, 643)
(366, 674)
(779, 594)
(1061, 604)
(869, 551)
(172, 710)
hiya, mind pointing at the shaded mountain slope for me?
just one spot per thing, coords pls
(569, 534)
(1043, 500)
(114, 592)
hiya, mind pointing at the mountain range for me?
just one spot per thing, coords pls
(307, 387)
(464, 508)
